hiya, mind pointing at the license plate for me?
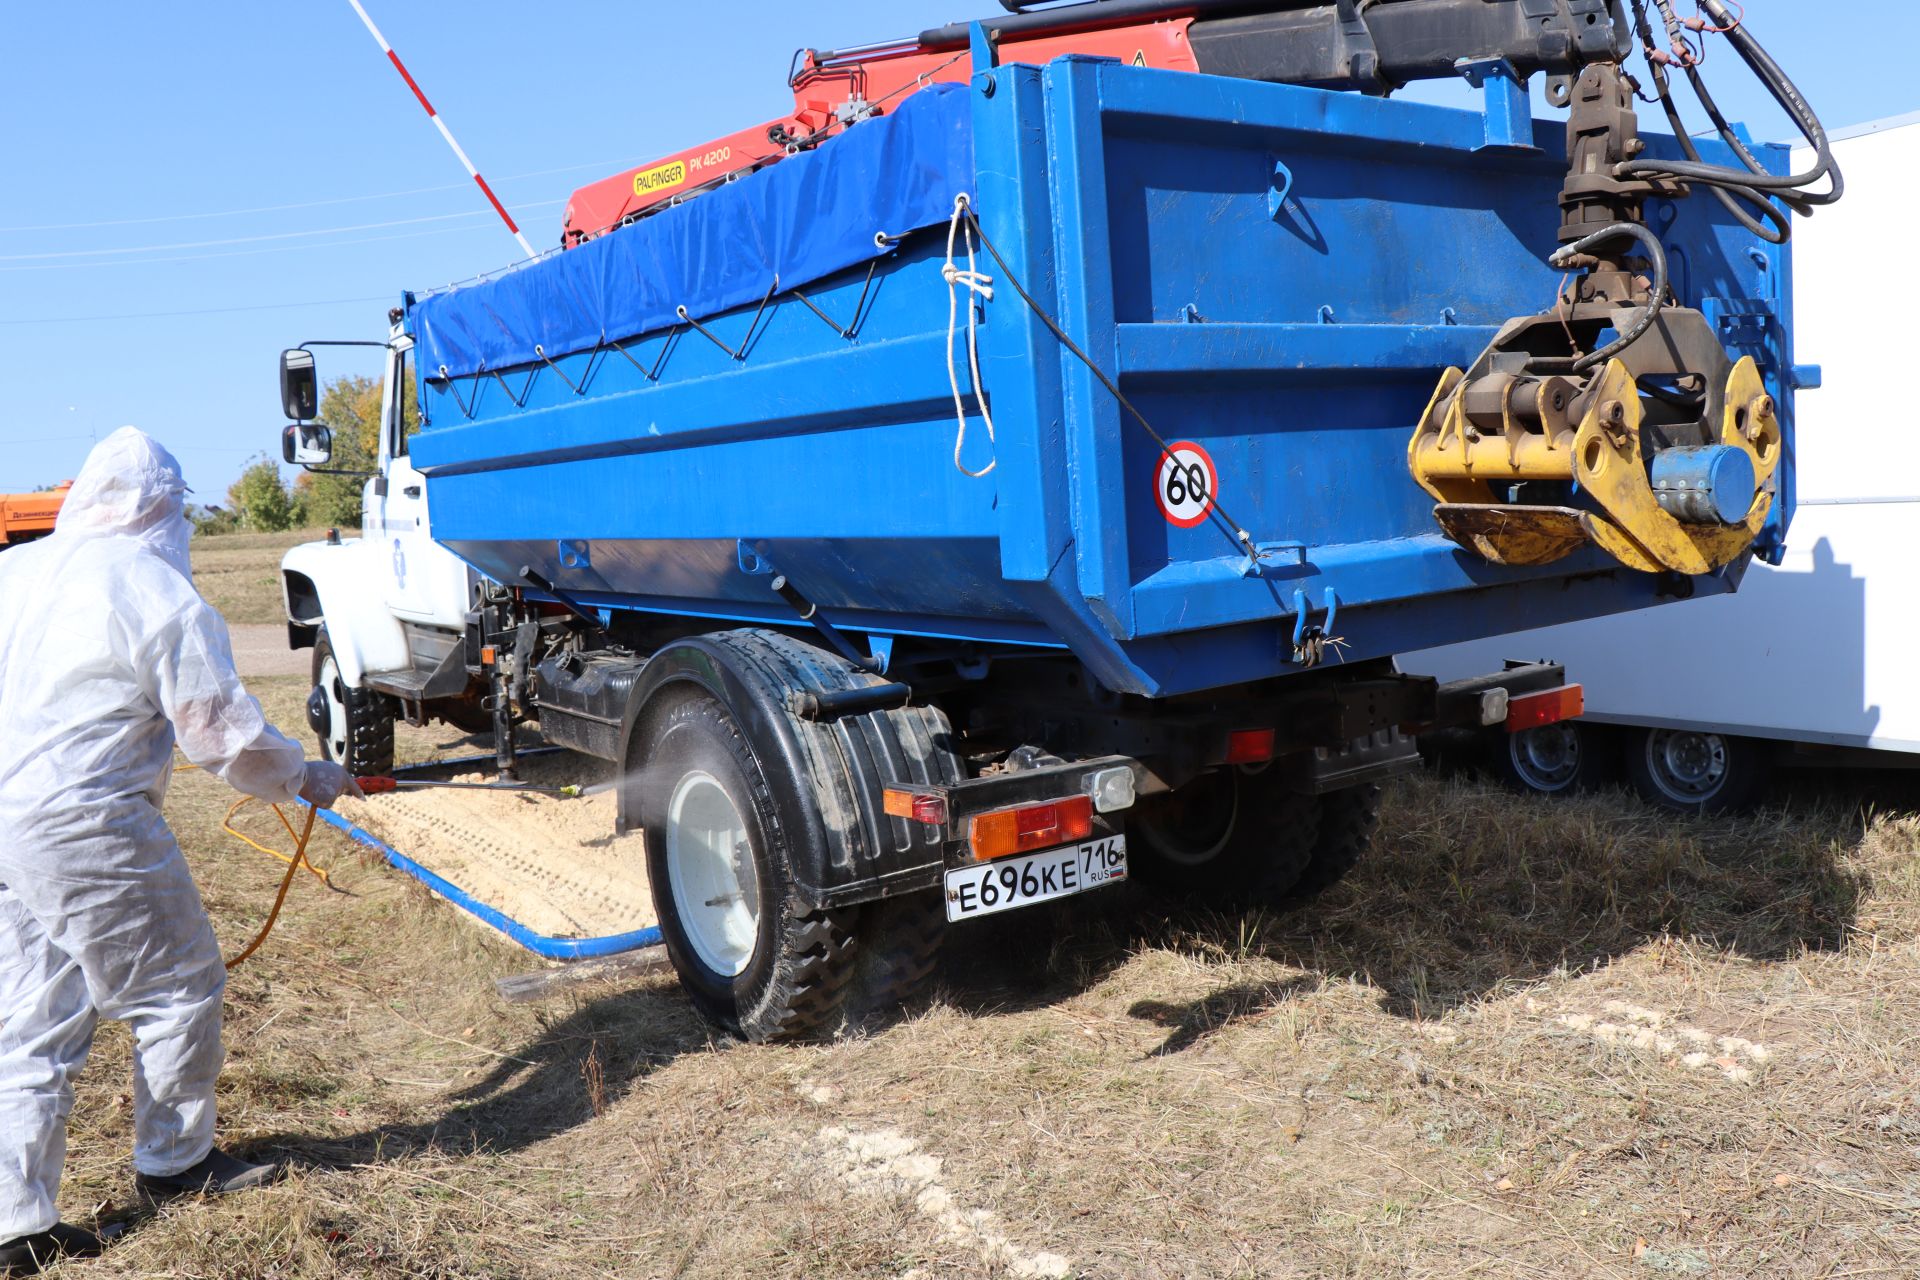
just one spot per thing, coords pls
(989, 887)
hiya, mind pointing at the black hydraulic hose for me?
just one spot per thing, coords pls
(1727, 133)
(1788, 95)
(1729, 194)
(1801, 202)
(1656, 252)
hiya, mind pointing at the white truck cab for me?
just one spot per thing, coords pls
(385, 613)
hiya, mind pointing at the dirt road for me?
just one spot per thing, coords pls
(260, 649)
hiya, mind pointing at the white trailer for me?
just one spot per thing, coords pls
(1810, 661)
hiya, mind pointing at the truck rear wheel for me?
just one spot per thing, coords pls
(755, 815)
(1348, 820)
(752, 960)
(355, 726)
(1232, 836)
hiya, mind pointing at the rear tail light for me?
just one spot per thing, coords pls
(1250, 746)
(1034, 826)
(1531, 712)
(916, 806)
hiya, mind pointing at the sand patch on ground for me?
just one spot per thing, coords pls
(1637, 1027)
(887, 1165)
(552, 864)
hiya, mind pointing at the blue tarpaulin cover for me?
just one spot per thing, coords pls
(800, 221)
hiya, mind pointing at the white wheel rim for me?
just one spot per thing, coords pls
(1688, 767)
(711, 871)
(335, 690)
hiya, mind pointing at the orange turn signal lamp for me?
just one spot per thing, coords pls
(1020, 829)
(1568, 702)
(915, 806)
(1030, 827)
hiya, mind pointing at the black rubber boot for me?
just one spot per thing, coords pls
(218, 1175)
(28, 1255)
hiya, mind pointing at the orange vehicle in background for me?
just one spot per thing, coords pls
(26, 516)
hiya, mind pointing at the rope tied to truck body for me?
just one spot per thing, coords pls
(1215, 510)
(975, 284)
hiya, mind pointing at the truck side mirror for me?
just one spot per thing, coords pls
(299, 385)
(307, 444)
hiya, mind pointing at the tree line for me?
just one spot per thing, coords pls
(261, 501)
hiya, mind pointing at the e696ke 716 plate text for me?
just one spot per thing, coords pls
(1020, 882)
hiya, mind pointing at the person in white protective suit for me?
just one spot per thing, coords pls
(109, 658)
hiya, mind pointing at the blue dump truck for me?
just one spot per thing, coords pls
(1027, 485)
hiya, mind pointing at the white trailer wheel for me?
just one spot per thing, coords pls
(1698, 771)
(1547, 759)
(711, 872)
(1688, 768)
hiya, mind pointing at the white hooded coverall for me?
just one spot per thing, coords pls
(108, 657)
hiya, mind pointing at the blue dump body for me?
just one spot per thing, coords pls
(1278, 275)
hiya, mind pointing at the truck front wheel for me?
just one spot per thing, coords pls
(1232, 836)
(355, 726)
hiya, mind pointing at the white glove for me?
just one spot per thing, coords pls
(326, 782)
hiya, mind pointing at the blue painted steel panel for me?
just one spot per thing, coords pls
(1277, 274)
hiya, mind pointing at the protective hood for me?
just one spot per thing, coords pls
(130, 487)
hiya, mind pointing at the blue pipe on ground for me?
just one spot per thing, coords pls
(540, 944)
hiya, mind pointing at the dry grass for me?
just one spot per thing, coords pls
(1449, 1067)
(239, 573)
(1396, 1082)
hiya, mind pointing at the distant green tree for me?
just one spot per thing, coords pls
(351, 406)
(212, 521)
(261, 499)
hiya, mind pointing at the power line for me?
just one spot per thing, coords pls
(238, 253)
(277, 235)
(205, 311)
(611, 167)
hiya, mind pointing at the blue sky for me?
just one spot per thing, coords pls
(187, 189)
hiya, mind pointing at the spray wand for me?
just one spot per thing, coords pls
(377, 786)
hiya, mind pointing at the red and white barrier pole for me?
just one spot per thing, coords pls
(441, 125)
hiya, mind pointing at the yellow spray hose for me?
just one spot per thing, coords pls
(294, 862)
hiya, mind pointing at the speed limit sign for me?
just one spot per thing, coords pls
(1186, 484)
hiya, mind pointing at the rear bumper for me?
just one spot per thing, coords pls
(1376, 722)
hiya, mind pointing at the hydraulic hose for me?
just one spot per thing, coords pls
(1772, 226)
(1791, 100)
(1638, 329)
